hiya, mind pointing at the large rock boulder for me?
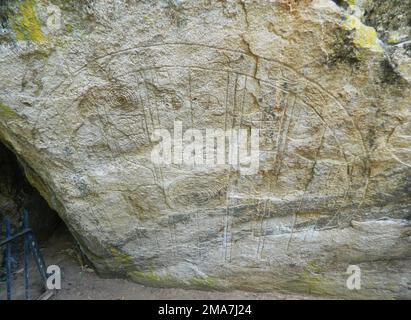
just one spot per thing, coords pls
(85, 86)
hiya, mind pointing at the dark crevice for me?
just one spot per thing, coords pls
(341, 3)
(16, 194)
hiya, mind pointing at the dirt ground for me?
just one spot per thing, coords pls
(80, 282)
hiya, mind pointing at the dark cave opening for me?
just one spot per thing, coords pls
(16, 194)
(56, 242)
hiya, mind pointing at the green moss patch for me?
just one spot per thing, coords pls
(7, 112)
(25, 23)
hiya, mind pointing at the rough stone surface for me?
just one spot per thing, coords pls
(330, 96)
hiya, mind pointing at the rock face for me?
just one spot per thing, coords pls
(85, 85)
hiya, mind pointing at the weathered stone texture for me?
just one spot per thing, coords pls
(331, 100)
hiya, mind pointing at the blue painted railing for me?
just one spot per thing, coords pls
(30, 245)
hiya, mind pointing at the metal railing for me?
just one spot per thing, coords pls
(30, 245)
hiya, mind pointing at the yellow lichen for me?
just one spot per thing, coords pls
(364, 36)
(121, 259)
(68, 28)
(150, 276)
(312, 277)
(204, 281)
(393, 37)
(26, 25)
(6, 111)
